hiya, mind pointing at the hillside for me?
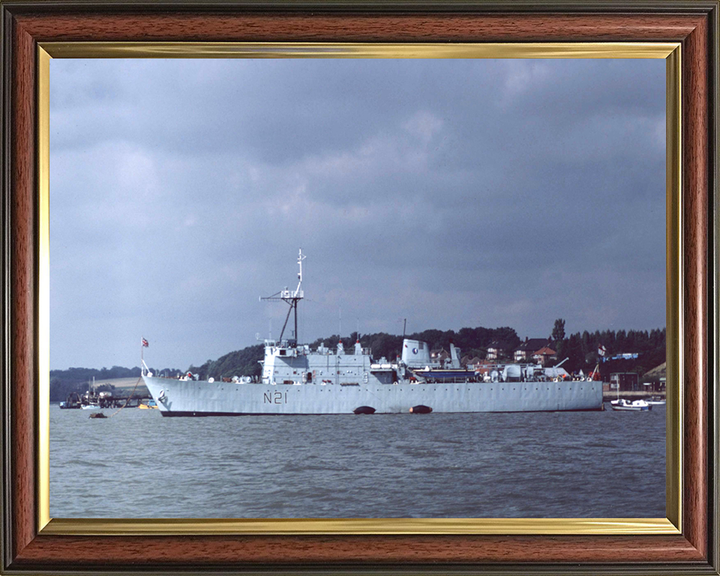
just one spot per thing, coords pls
(473, 341)
(63, 382)
(580, 349)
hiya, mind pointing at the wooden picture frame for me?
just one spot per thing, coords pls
(28, 547)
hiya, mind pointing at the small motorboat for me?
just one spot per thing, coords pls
(91, 407)
(631, 406)
(656, 401)
(73, 401)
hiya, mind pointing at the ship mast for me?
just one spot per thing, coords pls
(292, 297)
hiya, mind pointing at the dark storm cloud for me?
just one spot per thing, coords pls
(452, 193)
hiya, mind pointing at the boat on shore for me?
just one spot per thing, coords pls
(298, 380)
(630, 405)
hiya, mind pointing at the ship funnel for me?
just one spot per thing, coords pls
(415, 353)
(454, 356)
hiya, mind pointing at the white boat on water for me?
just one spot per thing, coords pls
(631, 406)
(656, 401)
(90, 407)
(298, 380)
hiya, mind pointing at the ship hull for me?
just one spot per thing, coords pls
(203, 398)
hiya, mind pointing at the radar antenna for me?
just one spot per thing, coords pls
(292, 297)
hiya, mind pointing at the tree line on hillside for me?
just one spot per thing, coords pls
(246, 362)
(580, 349)
(79, 380)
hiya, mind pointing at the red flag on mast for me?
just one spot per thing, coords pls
(144, 343)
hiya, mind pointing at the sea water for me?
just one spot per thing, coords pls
(138, 464)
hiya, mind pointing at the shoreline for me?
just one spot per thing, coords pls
(631, 394)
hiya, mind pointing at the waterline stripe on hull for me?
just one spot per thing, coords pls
(204, 414)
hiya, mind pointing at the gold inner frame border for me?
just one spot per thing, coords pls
(669, 51)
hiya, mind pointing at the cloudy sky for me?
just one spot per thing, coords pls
(449, 192)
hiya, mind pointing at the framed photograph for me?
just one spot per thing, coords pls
(289, 51)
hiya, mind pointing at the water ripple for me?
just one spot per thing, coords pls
(140, 465)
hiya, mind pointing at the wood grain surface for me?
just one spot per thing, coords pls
(209, 552)
(330, 27)
(690, 551)
(23, 260)
(696, 130)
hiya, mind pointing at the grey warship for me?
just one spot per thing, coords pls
(298, 380)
